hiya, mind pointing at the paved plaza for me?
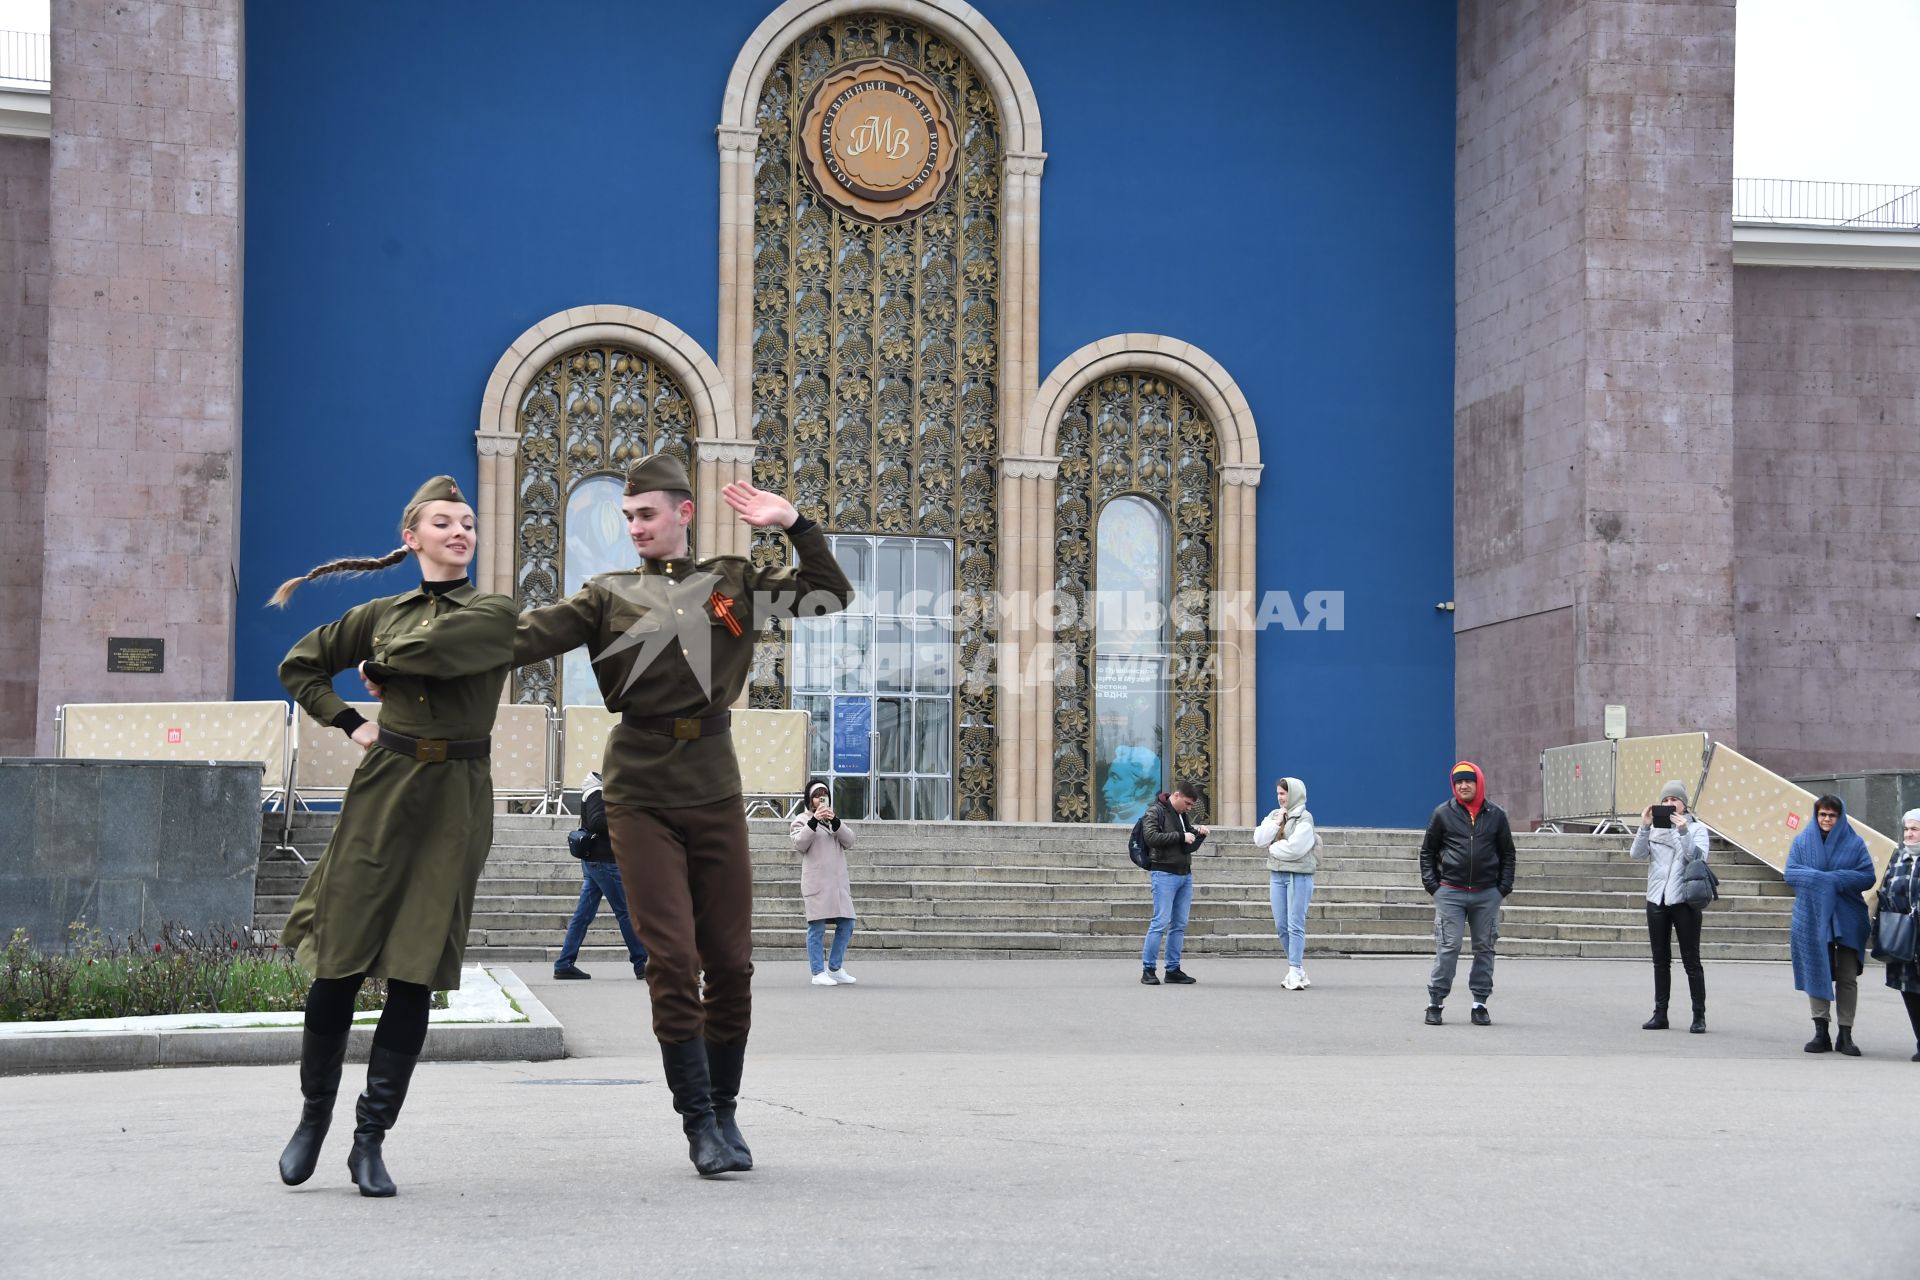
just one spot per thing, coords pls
(1043, 1118)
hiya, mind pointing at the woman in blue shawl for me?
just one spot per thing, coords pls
(1828, 868)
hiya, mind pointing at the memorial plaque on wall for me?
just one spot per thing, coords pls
(136, 655)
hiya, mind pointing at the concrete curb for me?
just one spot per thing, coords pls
(539, 1039)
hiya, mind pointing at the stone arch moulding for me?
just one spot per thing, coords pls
(1029, 487)
(739, 139)
(720, 450)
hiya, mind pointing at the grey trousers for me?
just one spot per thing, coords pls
(1846, 984)
(1455, 911)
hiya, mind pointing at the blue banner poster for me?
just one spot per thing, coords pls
(852, 735)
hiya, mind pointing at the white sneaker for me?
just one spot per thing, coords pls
(841, 975)
(1292, 981)
(1305, 981)
(822, 980)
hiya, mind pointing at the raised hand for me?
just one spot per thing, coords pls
(759, 508)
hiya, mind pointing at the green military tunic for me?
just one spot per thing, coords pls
(393, 894)
(662, 647)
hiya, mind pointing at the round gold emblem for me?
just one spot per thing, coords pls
(877, 140)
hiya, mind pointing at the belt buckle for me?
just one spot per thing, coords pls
(430, 750)
(686, 730)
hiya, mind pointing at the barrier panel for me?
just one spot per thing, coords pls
(1762, 812)
(584, 732)
(772, 747)
(523, 755)
(198, 731)
(1642, 766)
(1576, 783)
(324, 758)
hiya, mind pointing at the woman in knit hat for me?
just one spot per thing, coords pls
(1900, 892)
(392, 896)
(823, 838)
(1672, 909)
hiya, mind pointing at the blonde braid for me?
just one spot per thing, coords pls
(349, 564)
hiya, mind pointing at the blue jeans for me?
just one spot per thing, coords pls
(1290, 892)
(816, 936)
(1172, 899)
(599, 880)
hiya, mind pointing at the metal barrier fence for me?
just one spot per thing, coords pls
(537, 752)
(1609, 783)
(26, 56)
(1866, 205)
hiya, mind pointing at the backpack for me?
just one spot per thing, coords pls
(1137, 845)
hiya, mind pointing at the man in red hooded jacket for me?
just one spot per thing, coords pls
(1466, 864)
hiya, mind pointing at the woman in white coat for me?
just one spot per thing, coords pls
(1293, 854)
(823, 839)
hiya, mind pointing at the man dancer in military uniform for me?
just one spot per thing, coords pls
(672, 645)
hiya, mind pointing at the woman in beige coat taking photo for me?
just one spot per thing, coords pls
(823, 839)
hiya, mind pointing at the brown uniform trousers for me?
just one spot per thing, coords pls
(689, 886)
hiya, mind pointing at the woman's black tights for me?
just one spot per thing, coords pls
(403, 1023)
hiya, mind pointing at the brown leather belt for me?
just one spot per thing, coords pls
(435, 750)
(685, 730)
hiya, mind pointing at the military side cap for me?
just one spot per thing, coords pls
(657, 472)
(438, 489)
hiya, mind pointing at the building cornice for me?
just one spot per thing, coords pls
(1773, 244)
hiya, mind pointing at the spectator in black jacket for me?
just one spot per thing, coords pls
(1170, 841)
(1466, 864)
(600, 878)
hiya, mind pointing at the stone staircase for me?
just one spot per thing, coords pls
(1019, 889)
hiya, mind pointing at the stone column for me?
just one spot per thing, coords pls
(1236, 737)
(143, 353)
(1026, 688)
(734, 350)
(498, 502)
(23, 433)
(1593, 377)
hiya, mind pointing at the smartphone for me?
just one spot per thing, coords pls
(1663, 815)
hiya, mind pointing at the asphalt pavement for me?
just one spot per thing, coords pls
(1043, 1118)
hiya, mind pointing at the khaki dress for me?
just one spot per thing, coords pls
(393, 894)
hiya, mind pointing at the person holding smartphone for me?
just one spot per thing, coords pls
(1669, 838)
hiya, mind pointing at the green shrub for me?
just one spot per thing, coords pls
(231, 970)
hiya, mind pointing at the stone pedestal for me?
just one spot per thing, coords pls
(126, 846)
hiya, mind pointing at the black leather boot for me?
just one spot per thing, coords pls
(686, 1068)
(1697, 989)
(320, 1059)
(724, 1064)
(1658, 1022)
(388, 1074)
(1844, 1042)
(1820, 1042)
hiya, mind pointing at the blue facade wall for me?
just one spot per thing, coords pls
(1271, 182)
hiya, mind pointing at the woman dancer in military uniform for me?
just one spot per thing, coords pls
(392, 896)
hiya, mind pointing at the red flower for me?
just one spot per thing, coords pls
(156, 946)
(236, 944)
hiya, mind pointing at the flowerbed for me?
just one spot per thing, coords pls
(208, 971)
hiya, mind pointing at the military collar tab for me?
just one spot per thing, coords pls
(679, 567)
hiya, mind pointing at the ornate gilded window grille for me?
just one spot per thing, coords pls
(876, 360)
(592, 412)
(1141, 434)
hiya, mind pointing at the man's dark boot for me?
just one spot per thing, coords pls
(724, 1064)
(1658, 1022)
(320, 1059)
(388, 1074)
(1844, 1043)
(1820, 1042)
(686, 1068)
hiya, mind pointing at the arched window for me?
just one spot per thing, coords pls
(1132, 589)
(586, 418)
